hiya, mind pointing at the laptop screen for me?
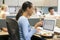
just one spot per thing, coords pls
(48, 24)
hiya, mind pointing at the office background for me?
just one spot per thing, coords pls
(43, 5)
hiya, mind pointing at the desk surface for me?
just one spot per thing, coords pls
(54, 37)
(4, 33)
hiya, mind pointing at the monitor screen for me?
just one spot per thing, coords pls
(49, 24)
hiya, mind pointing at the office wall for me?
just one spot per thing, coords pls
(11, 2)
(35, 2)
(41, 4)
(50, 2)
(0, 2)
(14, 2)
(45, 2)
(22, 1)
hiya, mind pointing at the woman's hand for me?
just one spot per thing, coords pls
(38, 29)
(4, 29)
(39, 24)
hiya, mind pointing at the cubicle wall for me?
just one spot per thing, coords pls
(1, 2)
(15, 9)
(58, 23)
(33, 21)
(2, 23)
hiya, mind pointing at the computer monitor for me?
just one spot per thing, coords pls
(48, 24)
(2, 23)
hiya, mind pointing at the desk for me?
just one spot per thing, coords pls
(3, 33)
(54, 37)
(38, 35)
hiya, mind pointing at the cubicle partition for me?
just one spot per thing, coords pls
(33, 21)
(11, 16)
(2, 23)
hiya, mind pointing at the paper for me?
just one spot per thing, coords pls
(56, 29)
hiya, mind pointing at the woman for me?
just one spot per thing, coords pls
(3, 14)
(24, 27)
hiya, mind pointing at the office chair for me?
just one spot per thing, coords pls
(13, 29)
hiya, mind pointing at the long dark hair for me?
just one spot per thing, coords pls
(19, 14)
(23, 9)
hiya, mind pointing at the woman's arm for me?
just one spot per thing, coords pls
(25, 27)
(4, 29)
(39, 24)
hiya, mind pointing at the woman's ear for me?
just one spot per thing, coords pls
(27, 9)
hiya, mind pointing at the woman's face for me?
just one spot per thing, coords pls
(30, 11)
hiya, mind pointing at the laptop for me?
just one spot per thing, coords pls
(58, 23)
(48, 25)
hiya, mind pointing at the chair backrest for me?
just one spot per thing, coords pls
(13, 29)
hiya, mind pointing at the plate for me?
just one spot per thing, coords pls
(44, 33)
